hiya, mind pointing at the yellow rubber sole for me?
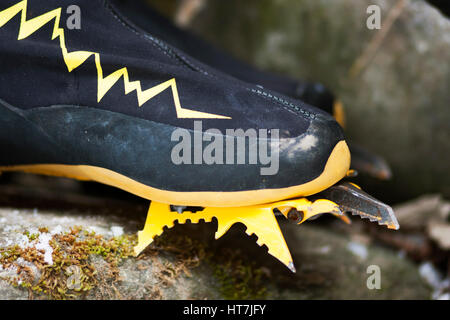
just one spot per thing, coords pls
(335, 169)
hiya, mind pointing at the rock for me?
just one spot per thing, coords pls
(429, 213)
(341, 272)
(416, 214)
(440, 232)
(186, 263)
(441, 286)
(397, 105)
(153, 276)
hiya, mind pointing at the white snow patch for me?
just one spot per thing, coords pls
(21, 261)
(63, 220)
(33, 230)
(358, 250)
(98, 230)
(44, 244)
(57, 230)
(93, 229)
(6, 242)
(116, 231)
(10, 228)
(23, 241)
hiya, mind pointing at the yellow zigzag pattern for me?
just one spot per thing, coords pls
(76, 58)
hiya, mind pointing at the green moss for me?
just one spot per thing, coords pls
(31, 237)
(71, 274)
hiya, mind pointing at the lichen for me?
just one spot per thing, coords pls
(73, 248)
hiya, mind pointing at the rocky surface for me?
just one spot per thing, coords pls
(156, 275)
(394, 87)
(86, 253)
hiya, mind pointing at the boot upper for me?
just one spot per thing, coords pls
(109, 95)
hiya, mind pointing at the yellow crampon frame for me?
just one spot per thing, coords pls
(259, 220)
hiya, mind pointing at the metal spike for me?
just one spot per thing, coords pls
(352, 199)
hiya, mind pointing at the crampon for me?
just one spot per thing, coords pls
(339, 200)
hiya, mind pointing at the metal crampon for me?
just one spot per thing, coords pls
(260, 219)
